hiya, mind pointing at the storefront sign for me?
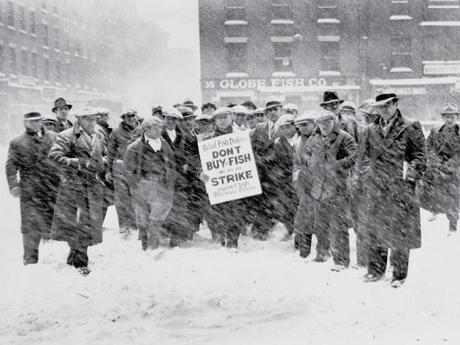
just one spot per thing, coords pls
(235, 84)
(441, 68)
(228, 161)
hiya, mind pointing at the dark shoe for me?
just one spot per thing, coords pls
(372, 277)
(397, 283)
(29, 262)
(321, 258)
(338, 268)
(84, 270)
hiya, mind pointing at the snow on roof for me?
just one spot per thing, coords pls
(328, 21)
(282, 21)
(400, 17)
(236, 22)
(441, 23)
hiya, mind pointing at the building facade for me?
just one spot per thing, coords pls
(56, 48)
(297, 49)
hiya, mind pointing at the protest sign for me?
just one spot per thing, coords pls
(229, 162)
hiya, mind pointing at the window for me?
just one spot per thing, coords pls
(24, 62)
(10, 14)
(329, 56)
(13, 60)
(235, 10)
(58, 71)
(46, 35)
(33, 23)
(35, 65)
(282, 30)
(327, 11)
(22, 18)
(399, 8)
(56, 38)
(236, 31)
(281, 10)
(237, 57)
(46, 69)
(283, 56)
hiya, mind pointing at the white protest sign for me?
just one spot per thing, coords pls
(229, 162)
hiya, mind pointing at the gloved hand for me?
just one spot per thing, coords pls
(16, 192)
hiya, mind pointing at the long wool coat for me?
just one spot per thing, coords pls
(38, 180)
(393, 208)
(78, 215)
(441, 184)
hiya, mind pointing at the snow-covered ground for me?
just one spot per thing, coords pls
(204, 294)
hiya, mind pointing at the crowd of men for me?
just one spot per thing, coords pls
(322, 172)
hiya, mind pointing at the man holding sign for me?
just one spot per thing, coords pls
(230, 174)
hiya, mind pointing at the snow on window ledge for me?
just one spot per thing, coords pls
(282, 21)
(400, 17)
(329, 73)
(328, 21)
(236, 22)
(328, 38)
(441, 23)
(283, 74)
(237, 75)
(401, 70)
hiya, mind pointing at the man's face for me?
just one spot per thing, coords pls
(274, 113)
(388, 110)
(130, 119)
(326, 127)
(154, 131)
(33, 125)
(203, 127)
(252, 122)
(223, 121)
(103, 119)
(170, 122)
(62, 112)
(158, 113)
(287, 131)
(240, 119)
(333, 107)
(188, 123)
(49, 126)
(260, 118)
(306, 128)
(449, 119)
(347, 112)
(88, 123)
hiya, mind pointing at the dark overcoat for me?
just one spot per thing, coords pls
(325, 187)
(440, 183)
(391, 165)
(29, 168)
(78, 216)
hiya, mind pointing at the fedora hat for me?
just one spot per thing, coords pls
(60, 102)
(450, 108)
(384, 96)
(32, 116)
(330, 97)
(273, 102)
(189, 104)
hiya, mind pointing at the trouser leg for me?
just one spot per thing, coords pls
(31, 243)
(377, 261)
(123, 200)
(361, 247)
(452, 216)
(78, 255)
(340, 243)
(399, 258)
(232, 234)
(304, 244)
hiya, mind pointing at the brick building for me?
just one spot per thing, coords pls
(54, 48)
(251, 49)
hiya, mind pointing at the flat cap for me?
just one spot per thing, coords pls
(287, 119)
(222, 111)
(172, 112)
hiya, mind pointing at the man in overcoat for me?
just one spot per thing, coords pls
(78, 214)
(330, 153)
(441, 183)
(119, 140)
(262, 138)
(393, 213)
(34, 179)
(149, 165)
(61, 109)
